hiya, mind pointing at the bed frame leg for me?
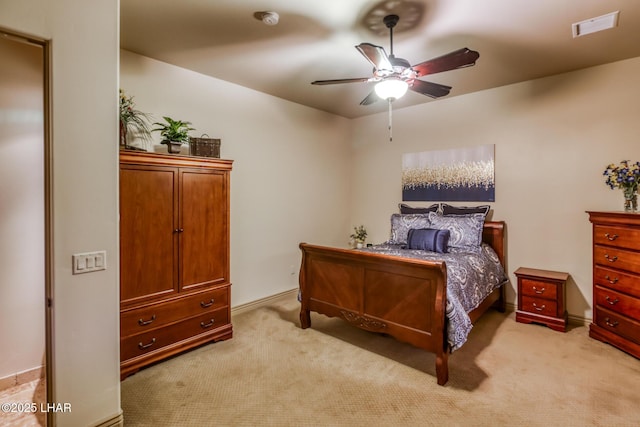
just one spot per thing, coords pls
(442, 367)
(305, 318)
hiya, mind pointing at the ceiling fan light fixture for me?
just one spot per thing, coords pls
(391, 88)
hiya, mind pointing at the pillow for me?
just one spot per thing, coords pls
(464, 210)
(428, 239)
(401, 224)
(406, 209)
(465, 230)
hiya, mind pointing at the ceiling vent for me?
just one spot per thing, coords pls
(593, 25)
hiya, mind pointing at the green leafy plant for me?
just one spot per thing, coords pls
(359, 234)
(132, 121)
(173, 130)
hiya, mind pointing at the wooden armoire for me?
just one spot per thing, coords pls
(174, 255)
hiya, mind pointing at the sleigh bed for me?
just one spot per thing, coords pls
(404, 296)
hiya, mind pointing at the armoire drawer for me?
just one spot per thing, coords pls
(618, 302)
(618, 324)
(146, 342)
(617, 280)
(135, 321)
(621, 237)
(617, 258)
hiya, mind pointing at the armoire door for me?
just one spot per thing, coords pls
(204, 228)
(148, 233)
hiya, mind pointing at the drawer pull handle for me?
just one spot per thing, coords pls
(610, 259)
(610, 301)
(611, 237)
(610, 323)
(145, 346)
(538, 291)
(612, 281)
(206, 304)
(539, 308)
(146, 322)
(206, 325)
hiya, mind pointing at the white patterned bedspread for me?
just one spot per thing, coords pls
(471, 277)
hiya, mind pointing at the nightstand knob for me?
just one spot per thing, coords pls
(611, 237)
(610, 301)
(538, 291)
(612, 281)
(610, 259)
(538, 308)
(610, 323)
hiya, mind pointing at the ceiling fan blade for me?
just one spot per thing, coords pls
(434, 90)
(458, 59)
(370, 99)
(376, 55)
(337, 81)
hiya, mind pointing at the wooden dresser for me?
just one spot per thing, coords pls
(174, 255)
(616, 280)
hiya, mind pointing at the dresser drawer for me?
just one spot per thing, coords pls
(618, 302)
(146, 342)
(540, 306)
(135, 321)
(617, 258)
(617, 280)
(539, 289)
(618, 324)
(621, 237)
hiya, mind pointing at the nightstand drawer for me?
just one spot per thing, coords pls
(539, 289)
(540, 306)
(621, 237)
(617, 258)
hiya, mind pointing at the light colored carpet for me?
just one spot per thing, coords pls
(272, 373)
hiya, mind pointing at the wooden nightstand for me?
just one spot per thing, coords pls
(541, 297)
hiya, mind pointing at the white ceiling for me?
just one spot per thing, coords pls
(517, 40)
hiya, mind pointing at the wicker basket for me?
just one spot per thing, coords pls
(204, 147)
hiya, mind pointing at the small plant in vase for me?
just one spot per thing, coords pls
(132, 122)
(625, 176)
(174, 133)
(359, 236)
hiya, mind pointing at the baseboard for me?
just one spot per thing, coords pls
(20, 378)
(117, 421)
(242, 308)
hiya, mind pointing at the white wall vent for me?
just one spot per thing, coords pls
(594, 25)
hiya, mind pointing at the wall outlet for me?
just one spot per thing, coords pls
(88, 262)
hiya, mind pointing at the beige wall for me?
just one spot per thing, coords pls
(22, 324)
(290, 173)
(553, 139)
(84, 76)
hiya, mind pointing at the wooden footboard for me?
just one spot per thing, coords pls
(401, 297)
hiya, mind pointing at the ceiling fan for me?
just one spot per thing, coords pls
(393, 76)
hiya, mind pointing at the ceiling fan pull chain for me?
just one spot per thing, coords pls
(390, 122)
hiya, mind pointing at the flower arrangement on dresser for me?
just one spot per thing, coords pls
(626, 177)
(359, 235)
(132, 122)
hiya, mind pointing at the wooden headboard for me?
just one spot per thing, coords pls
(493, 235)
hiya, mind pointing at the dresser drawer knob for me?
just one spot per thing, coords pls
(206, 304)
(609, 323)
(610, 301)
(611, 237)
(145, 346)
(610, 280)
(610, 259)
(539, 308)
(538, 291)
(206, 325)
(146, 322)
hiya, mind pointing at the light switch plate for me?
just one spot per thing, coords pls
(88, 262)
